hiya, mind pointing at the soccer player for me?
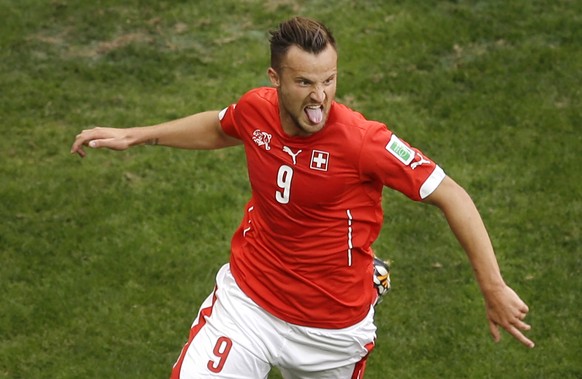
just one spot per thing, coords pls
(297, 293)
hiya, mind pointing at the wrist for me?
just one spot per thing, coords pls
(141, 136)
(491, 285)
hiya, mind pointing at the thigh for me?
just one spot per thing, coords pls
(213, 355)
(350, 371)
(214, 348)
(316, 353)
(344, 372)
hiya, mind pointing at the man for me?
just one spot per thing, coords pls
(296, 293)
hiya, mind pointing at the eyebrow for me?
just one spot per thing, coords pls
(303, 78)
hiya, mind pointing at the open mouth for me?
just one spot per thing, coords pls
(314, 113)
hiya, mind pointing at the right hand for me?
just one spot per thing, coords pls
(505, 309)
(111, 138)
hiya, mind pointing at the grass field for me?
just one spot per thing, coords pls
(104, 261)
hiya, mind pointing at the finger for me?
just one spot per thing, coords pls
(78, 149)
(494, 329)
(521, 325)
(80, 140)
(520, 337)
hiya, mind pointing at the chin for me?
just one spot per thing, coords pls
(303, 127)
(311, 128)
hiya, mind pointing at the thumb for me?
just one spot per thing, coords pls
(110, 143)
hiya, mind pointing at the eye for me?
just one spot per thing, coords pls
(303, 82)
(329, 81)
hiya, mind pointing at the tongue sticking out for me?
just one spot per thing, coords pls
(315, 115)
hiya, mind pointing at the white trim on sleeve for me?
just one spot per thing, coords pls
(432, 182)
(222, 113)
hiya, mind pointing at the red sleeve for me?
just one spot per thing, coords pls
(228, 121)
(396, 164)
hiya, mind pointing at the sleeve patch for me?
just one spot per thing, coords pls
(399, 149)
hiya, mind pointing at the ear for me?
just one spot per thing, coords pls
(274, 77)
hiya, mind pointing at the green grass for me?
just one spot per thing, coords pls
(105, 260)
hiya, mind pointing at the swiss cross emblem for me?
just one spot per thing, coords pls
(319, 160)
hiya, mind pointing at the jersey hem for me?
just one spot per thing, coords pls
(305, 322)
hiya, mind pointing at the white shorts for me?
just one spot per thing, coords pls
(232, 337)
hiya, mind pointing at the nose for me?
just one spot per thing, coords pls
(318, 94)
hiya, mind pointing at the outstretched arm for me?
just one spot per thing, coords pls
(198, 131)
(504, 307)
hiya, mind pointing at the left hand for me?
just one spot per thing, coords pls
(506, 309)
(111, 138)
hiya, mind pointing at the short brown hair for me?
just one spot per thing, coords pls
(309, 35)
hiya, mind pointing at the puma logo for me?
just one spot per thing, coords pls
(292, 154)
(420, 162)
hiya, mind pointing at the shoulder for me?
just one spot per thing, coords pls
(260, 96)
(256, 106)
(354, 126)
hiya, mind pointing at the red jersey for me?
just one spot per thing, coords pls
(303, 249)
